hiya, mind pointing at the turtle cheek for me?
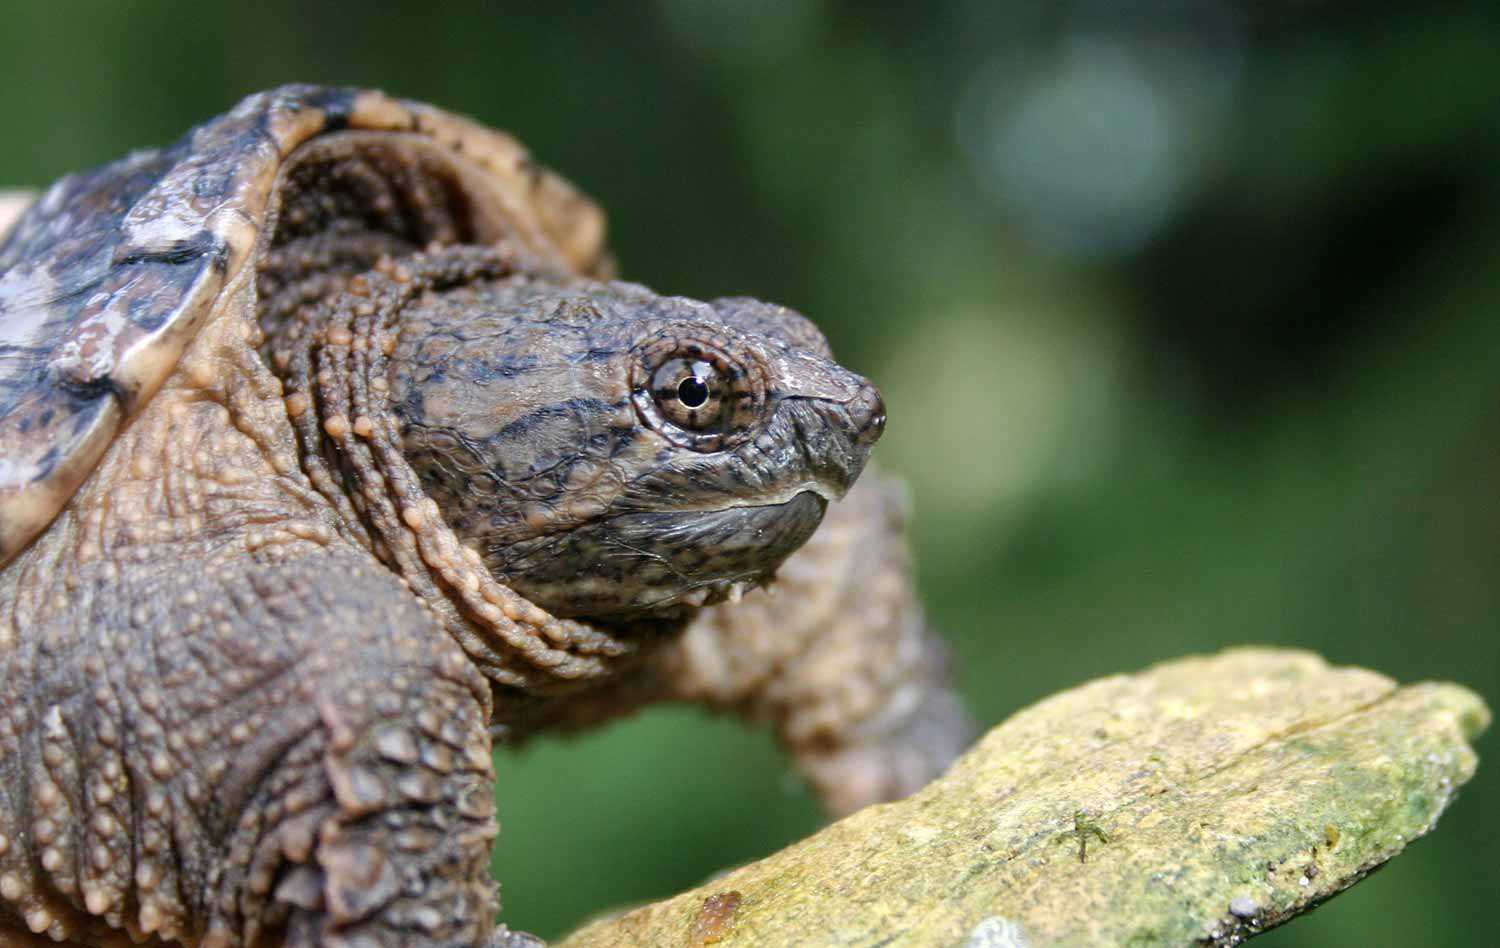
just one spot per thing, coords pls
(660, 564)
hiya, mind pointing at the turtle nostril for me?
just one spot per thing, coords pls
(867, 412)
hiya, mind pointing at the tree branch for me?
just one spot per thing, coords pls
(1198, 802)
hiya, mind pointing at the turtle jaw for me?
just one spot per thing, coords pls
(659, 564)
(705, 529)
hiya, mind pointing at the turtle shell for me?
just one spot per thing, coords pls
(108, 275)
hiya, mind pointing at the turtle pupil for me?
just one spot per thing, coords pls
(692, 392)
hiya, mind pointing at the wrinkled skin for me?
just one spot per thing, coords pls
(392, 508)
(527, 409)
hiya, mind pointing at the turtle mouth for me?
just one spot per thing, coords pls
(792, 522)
(648, 565)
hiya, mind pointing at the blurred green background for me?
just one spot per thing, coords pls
(1185, 313)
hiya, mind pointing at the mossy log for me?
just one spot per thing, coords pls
(1201, 801)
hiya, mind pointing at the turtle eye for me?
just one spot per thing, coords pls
(689, 393)
(695, 393)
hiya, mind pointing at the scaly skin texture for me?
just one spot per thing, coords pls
(208, 690)
(392, 505)
(525, 409)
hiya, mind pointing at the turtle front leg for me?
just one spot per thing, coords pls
(375, 829)
(248, 754)
(397, 851)
(838, 657)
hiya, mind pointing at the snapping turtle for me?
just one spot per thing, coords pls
(330, 453)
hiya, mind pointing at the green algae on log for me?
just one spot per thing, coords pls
(1198, 802)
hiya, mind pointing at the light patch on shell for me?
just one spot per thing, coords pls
(25, 293)
(163, 219)
(12, 205)
(88, 354)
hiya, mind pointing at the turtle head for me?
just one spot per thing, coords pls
(617, 455)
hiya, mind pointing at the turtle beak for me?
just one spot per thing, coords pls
(866, 415)
(838, 443)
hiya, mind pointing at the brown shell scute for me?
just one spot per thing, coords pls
(105, 279)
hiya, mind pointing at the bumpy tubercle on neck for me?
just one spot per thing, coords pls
(333, 357)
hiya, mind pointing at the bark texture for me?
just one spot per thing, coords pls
(1200, 801)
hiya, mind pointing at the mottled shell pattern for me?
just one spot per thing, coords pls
(105, 279)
